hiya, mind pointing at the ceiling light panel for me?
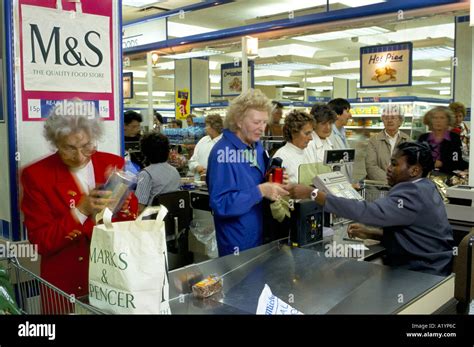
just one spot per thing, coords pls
(181, 30)
(194, 54)
(335, 35)
(138, 3)
(433, 53)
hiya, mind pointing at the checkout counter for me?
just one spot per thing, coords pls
(318, 283)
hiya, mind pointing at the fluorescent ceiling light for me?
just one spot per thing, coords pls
(292, 89)
(295, 49)
(351, 64)
(422, 72)
(349, 76)
(446, 80)
(166, 76)
(433, 53)
(319, 79)
(440, 88)
(137, 73)
(274, 82)
(288, 63)
(420, 83)
(322, 89)
(194, 54)
(139, 3)
(445, 92)
(342, 34)
(375, 91)
(154, 93)
(181, 30)
(215, 87)
(139, 82)
(265, 72)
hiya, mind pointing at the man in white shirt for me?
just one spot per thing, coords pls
(324, 119)
(198, 162)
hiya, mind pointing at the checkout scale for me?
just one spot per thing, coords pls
(308, 218)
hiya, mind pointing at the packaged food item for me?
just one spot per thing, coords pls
(120, 183)
(208, 286)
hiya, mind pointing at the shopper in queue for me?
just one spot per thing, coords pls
(416, 232)
(446, 146)
(460, 127)
(198, 162)
(324, 118)
(236, 175)
(61, 197)
(158, 177)
(381, 146)
(297, 131)
(274, 127)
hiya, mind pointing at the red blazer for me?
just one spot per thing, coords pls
(49, 192)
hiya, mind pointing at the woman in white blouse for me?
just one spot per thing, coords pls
(324, 118)
(198, 162)
(297, 132)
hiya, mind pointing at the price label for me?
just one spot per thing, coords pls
(34, 108)
(104, 109)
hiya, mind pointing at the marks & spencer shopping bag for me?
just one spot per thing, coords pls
(128, 268)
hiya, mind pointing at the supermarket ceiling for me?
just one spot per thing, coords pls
(308, 59)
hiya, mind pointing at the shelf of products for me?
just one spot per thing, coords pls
(366, 118)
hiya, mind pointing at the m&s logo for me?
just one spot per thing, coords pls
(71, 56)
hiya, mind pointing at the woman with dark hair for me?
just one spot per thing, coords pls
(446, 146)
(297, 131)
(324, 118)
(415, 230)
(159, 177)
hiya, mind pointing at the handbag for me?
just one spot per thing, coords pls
(128, 268)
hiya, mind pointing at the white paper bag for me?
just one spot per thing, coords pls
(128, 267)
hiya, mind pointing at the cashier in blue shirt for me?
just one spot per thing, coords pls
(236, 175)
(416, 232)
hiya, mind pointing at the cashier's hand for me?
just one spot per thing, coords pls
(358, 230)
(299, 191)
(95, 202)
(272, 191)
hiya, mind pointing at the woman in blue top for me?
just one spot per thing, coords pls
(236, 175)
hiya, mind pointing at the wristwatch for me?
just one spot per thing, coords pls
(314, 194)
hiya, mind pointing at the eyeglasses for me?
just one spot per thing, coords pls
(87, 150)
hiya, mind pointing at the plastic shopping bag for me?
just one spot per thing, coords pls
(128, 269)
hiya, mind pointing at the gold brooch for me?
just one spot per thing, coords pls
(71, 192)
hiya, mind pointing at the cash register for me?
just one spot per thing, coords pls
(307, 218)
(461, 203)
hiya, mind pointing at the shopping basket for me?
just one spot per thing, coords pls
(373, 190)
(36, 296)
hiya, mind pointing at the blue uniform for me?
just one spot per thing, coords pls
(416, 232)
(233, 174)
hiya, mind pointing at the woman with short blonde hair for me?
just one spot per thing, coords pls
(239, 107)
(236, 175)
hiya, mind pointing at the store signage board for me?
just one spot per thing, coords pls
(183, 104)
(65, 54)
(143, 33)
(231, 78)
(128, 85)
(386, 65)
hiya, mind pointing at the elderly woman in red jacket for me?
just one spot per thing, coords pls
(61, 198)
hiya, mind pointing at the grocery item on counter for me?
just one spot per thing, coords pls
(208, 286)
